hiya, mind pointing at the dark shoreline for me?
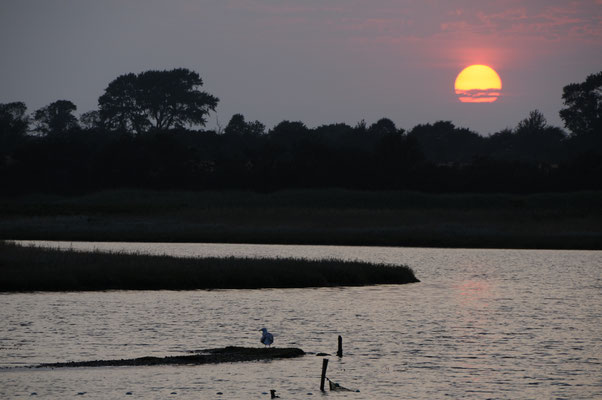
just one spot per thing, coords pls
(312, 217)
(29, 268)
(561, 241)
(209, 356)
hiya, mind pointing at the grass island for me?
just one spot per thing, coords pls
(29, 268)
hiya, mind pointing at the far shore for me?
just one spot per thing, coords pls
(29, 268)
(320, 217)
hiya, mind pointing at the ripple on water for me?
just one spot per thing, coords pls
(483, 323)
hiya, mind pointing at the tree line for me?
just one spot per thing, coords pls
(148, 133)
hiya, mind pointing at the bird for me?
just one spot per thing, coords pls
(266, 338)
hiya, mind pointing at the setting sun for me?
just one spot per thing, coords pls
(478, 84)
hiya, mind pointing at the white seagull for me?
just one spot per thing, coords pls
(267, 338)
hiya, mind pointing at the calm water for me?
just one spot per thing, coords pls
(482, 324)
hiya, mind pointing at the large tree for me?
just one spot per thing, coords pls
(56, 117)
(583, 101)
(13, 120)
(14, 123)
(155, 99)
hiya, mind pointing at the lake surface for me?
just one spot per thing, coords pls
(507, 324)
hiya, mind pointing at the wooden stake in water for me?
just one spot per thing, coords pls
(340, 350)
(324, 366)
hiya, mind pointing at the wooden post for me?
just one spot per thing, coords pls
(324, 366)
(340, 350)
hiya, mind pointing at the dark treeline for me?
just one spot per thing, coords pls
(142, 136)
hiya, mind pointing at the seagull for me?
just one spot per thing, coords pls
(267, 338)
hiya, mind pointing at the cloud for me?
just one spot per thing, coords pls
(552, 20)
(549, 19)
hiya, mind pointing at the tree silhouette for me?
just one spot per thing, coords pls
(583, 101)
(443, 142)
(13, 120)
(293, 128)
(238, 126)
(534, 123)
(534, 140)
(155, 99)
(383, 126)
(57, 117)
(435, 157)
(360, 126)
(90, 120)
(13, 126)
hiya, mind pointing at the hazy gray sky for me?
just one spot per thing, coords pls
(318, 61)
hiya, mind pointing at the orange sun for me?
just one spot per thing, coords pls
(478, 84)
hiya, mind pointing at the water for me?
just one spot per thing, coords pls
(482, 324)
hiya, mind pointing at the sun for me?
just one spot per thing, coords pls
(478, 84)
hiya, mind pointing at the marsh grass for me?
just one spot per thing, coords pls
(42, 269)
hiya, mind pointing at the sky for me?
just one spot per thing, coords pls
(315, 61)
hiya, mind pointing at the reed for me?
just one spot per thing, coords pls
(28, 268)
